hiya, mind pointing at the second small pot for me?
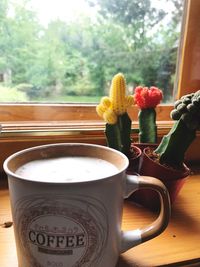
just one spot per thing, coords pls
(173, 179)
(134, 159)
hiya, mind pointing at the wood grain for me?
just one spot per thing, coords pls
(64, 112)
(189, 53)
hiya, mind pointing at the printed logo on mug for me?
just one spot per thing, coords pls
(67, 202)
(55, 229)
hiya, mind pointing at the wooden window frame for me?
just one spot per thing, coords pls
(189, 52)
(25, 125)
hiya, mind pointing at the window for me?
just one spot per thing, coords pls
(53, 55)
(28, 124)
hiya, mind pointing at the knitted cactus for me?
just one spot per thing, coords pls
(147, 99)
(113, 110)
(174, 145)
(147, 126)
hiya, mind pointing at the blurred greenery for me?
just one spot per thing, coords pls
(75, 61)
(11, 94)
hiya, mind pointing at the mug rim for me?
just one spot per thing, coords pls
(12, 174)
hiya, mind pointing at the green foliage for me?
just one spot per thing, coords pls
(11, 94)
(139, 15)
(78, 58)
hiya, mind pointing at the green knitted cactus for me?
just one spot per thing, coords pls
(173, 146)
(147, 126)
(118, 135)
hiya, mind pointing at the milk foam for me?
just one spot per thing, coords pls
(66, 169)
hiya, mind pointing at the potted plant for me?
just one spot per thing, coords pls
(166, 162)
(113, 109)
(146, 100)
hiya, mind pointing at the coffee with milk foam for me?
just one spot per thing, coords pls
(66, 169)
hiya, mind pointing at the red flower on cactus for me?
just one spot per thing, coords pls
(147, 97)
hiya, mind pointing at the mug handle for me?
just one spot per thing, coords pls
(133, 238)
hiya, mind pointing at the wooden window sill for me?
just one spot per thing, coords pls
(27, 125)
(16, 136)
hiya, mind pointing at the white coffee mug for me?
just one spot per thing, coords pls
(72, 224)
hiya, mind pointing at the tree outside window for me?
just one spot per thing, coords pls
(73, 60)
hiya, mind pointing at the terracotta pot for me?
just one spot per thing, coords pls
(173, 179)
(134, 159)
(142, 146)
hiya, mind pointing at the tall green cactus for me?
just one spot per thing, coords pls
(147, 126)
(174, 145)
(114, 111)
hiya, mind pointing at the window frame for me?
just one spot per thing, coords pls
(189, 51)
(32, 112)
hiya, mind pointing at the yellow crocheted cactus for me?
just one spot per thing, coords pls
(113, 109)
(117, 102)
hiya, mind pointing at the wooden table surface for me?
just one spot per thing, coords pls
(179, 245)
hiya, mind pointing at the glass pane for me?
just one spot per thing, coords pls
(68, 51)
